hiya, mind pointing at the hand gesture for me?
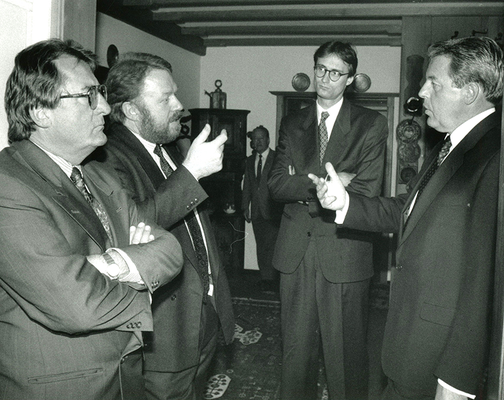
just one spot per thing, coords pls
(205, 158)
(330, 190)
(140, 234)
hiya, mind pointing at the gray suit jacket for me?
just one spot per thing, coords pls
(64, 327)
(357, 145)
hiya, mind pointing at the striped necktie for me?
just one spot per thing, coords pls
(78, 180)
(323, 136)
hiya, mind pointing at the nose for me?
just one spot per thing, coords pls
(178, 106)
(325, 77)
(102, 107)
(423, 91)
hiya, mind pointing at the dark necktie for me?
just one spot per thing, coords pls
(434, 166)
(194, 231)
(323, 136)
(259, 169)
(78, 180)
(165, 166)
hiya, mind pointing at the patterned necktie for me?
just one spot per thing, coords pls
(259, 169)
(434, 166)
(165, 166)
(78, 180)
(323, 136)
(194, 231)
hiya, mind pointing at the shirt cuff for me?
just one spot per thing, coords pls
(456, 391)
(341, 214)
(134, 275)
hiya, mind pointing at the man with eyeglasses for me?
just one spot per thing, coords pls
(325, 272)
(78, 261)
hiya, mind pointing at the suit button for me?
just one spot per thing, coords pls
(308, 234)
(188, 207)
(174, 297)
(124, 359)
(399, 267)
(155, 284)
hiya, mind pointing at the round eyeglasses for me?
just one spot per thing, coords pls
(92, 95)
(334, 75)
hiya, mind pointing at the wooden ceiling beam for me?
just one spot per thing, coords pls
(388, 27)
(142, 20)
(313, 40)
(323, 11)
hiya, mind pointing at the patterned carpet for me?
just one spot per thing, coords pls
(249, 368)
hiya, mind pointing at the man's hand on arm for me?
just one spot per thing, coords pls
(115, 264)
(330, 190)
(205, 158)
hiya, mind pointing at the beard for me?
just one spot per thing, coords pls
(159, 132)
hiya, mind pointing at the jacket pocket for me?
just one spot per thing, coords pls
(437, 314)
(65, 376)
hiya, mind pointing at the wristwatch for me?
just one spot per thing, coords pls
(113, 269)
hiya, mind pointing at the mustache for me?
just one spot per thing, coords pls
(176, 116)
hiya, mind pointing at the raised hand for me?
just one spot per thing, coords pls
(330, 190)
(205, 158)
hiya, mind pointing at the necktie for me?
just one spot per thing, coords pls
(259, 169)
(434, 166)
(78, 180)
(323, 136)
(165, 166)
(194, 231)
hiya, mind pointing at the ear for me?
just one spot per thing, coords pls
(471, 92)
(41, 116)
(131, 111)
(350, 80)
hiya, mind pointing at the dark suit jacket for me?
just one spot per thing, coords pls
(438, 322)
(177, 308)
(256, 193)
(357, 145)
(64, 327)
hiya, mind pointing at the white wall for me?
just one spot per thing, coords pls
(248, 75)
(186, 65)
(22, 22)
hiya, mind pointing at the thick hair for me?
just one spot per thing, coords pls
(345, 51)
(474, 59)
(262, 129)
(36, 82)
(126, 78)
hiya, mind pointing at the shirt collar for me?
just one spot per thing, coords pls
(65, 166)
(333, 110)
(264, 154)
(462, 130)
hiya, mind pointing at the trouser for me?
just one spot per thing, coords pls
(265, 233)
(188, 384)
(315, 311)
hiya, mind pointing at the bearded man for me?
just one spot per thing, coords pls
(142, 149)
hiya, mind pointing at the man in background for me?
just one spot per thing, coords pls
(259, 208)
(437, 334)
(325, 272)
(69, 327)
(145, 120)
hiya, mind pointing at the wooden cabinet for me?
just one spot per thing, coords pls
(224, 187)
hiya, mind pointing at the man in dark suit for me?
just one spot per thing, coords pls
(141, 148)
(69, 329)
(437, 333)
(325, 272)
(258, 207)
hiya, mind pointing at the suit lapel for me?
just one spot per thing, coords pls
(443, 174)
(338, 140)
(56, 185)
(140, 152)
(308, 153)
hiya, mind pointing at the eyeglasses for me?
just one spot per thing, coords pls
(92, 95)
(334, 75)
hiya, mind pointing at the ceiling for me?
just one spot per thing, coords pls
(196, 25)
